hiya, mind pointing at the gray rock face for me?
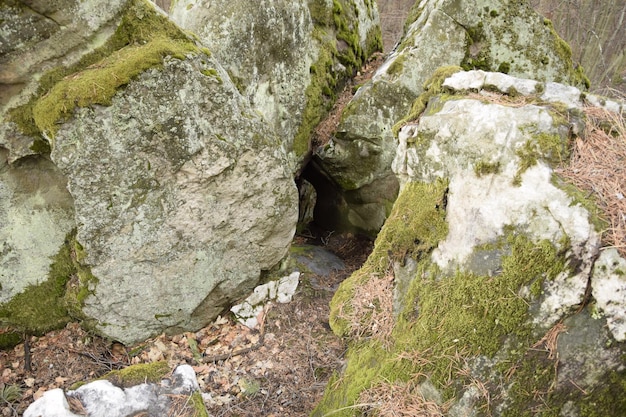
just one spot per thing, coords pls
(182, 198)
(286, 57)
(36, 213)
(179, 191)
(266, 46)
(38, 35)
(488, 34)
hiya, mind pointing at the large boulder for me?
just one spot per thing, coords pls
(181, 194)
(483, 295)
(493, 35)
(289, 58)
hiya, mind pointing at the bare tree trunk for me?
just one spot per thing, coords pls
(595, 31)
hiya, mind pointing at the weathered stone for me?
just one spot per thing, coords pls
(287, 57)
(39, 35)
(493, 35)
(36, 214)
(180, 193)
(102, 398)
(609, 290)
(494, 266)
(280, 290)
(195, 192)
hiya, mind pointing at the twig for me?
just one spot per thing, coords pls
(27, 357)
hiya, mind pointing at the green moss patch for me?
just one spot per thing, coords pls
(138, 374)
(333, 26)
(448, 320)
(414, 227)
(197, 403)
(432, 87)
(141, 41)
(551, 148)
(52, 303)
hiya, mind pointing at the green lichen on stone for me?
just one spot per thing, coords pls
(576, 72)
(607, 400)
(447, 318)
(432, 87)
(141, 41)
(332, 25)
(485, 168)
(586, 200)
(56, 301)
(138, 374)
(477, 54)
(212, 72)
(551, 148)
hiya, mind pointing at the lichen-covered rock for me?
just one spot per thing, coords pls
(484, 285)
(36, 213)
(180, 193)
(287, 57)
(38, 35)
(182, 197)
(493, 35)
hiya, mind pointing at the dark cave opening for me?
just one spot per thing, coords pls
(322, 206)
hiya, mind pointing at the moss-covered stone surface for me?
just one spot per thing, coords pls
(489, 266)
(492, 35)
(141, 41)
(52, 303)
(290, 58)
(138, 374)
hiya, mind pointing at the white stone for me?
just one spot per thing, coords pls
(281, 290)
(466, 80)
(51, 404)
(103, 399)
(612, 105)
(187, 381)
(568, 95)
(608, 287)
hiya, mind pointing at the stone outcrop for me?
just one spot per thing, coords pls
(493, 35)
(485, 296)
(179, 192)
(275, 50)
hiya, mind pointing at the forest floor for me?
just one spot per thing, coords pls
(290, 359)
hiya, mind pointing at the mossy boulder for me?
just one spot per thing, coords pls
(483, 295)
(492, 35)
(179, 191)
(289, 58)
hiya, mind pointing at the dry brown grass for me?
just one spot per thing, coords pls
(327, 127)
(401, 399)
(549, 340)
(501, 98)
(371, 309)
(598, 167)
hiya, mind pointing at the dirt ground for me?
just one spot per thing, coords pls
(282, 372)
